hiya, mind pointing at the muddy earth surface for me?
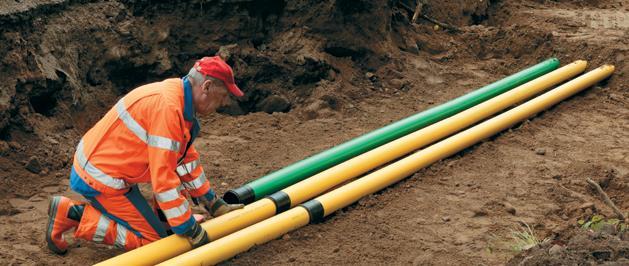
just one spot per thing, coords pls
(316, 74)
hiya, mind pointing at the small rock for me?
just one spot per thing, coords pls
(479, 212)
(4, 147)
(51, 189)
(540, 151)
(14, 145)
(586, 205)
(608, 229)
(33, 165)
(331, 101)
(602, 254)
(331, 75)
(162, 34)
(52, 141)
(410, 45)
(558, 229)
(369, 75)
(509, 208)
(274, 103)
(555, 249)
(461, 239)
(67, 124)
(286, 237)
(396, 84)
(36, 198)
(420, 220)
(292, 259)
(445, 218)
(224, 184)
(587, 212)
(226, 51)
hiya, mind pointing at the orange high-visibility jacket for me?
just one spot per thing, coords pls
(142, 139)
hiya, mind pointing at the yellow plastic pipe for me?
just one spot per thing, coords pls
(307, 189)
(297, 217)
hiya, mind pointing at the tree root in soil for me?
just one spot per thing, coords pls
(417, 13)
(606, 199)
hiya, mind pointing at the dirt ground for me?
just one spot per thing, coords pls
(318, 73)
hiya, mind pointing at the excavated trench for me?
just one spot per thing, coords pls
(77, 57)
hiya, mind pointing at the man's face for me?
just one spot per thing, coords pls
(213, 95)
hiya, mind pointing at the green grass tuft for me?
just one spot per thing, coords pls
(524, 239)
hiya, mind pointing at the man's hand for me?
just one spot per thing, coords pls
(197, 236)
(218, 207)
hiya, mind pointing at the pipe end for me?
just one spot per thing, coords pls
(581, 62)
(608, 67)
(241, 195)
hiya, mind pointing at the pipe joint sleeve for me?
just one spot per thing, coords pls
(315, 210)
(281, 200)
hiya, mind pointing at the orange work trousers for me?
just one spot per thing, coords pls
(126, 221)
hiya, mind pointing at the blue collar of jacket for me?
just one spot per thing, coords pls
(188, 106)
(188, 110)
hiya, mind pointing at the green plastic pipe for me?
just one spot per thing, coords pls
(312, 165)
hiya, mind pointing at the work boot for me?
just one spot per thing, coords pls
(63, 214)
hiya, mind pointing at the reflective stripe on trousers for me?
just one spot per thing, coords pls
(121, 236)
(101, 231)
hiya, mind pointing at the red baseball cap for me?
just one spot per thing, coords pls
(217, 68)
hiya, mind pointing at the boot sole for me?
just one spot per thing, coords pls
(52, 213)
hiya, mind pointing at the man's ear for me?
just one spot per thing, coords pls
(207, 84)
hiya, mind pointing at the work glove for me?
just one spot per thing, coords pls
(197, 236)
(217, 206)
